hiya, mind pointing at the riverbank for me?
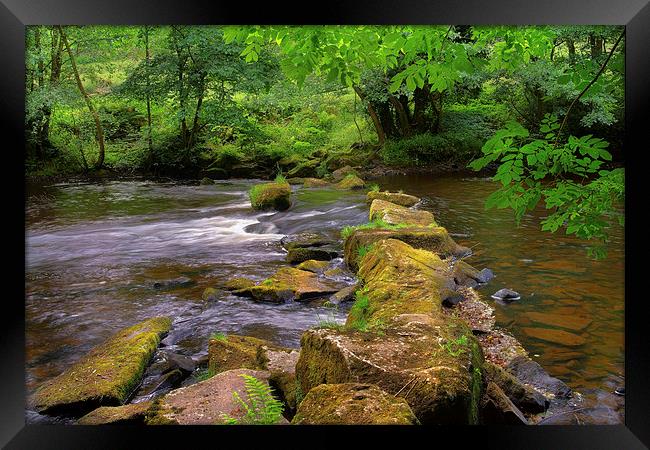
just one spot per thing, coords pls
(296, 212)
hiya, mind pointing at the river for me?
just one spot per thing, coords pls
(93, 252)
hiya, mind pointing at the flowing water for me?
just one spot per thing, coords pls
(93, 252)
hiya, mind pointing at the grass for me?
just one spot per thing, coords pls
(457, 346)
(279, 178)
(358, 311)
(374, 187)
(219, 336)
(363, 250)
(374, 224)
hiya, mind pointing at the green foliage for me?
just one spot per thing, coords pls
(219, 336)
(359, 310)
(279, 178)
(457, 346)
(204, 374)
(566, 174)
(363, 250)
(262, 408)
(374, 224)
(374, 187)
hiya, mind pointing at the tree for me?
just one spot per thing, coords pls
(99, 131)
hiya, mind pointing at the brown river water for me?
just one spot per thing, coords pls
(93, 252)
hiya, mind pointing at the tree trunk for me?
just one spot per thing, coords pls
(420, 99)
(436, 107)
(195, 122)
(381, 136)
(148, 61)
(572, 50)
(402, 117)
(99, 131)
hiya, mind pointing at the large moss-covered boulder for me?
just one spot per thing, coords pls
(393, 197)
(352, 404)
(271, 196)
(133, 413)
(433, 364)
(434, 239)
(399, 279)
(350, 182)
(394, 214)
(289, 284)
(206, 402)
(107, 375)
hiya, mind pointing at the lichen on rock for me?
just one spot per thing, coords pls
(393, 197)
(353, 404)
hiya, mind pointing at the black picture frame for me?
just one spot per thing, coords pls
(16, 14)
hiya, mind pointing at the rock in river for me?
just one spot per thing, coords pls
(393, 197)
(399, 215)
(174, 283)
(271, 196)
(506, 295)
(206, 402)
(352, 404)
(133, 413)
(289, 284)
(107, 375)
(350, 182)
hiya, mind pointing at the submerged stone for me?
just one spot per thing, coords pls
(105, 376)
(555, 336)
(133, 413)
(394, 214)
(206, 181)
(352, 404)
(236, 283)
(174, 283)
(271, 196)
(530, 372)
(210, 294)
(393, 197)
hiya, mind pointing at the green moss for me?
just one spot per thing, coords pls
(347, 231)
(219, 336)
(275, 195)
(107, 375)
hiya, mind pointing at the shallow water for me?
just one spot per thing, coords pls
(94, 251)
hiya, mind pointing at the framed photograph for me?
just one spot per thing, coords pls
(359, 221)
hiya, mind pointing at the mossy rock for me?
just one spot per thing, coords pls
(206, 402)
(305, 169)
(300, 255)
(350, 182)
(105, 376)
(236, 283)
(236, 352)
(340, 174)
(312, 265)
(399, 279)
(133, 413)
(497, 409)
(289, 284)
(412, 359)
(295, 181)
(465, 275)
(305, 240)
(314, 182)
(394, 214)
(217, 173)
(434, 239)
(210, 294)
(206, 181)
(393, 197)
(344, 295)
(281, 363)
(352, 404)
(271, 196)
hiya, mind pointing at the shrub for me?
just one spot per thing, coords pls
(262, 407)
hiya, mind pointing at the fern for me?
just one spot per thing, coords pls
(262, 407)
